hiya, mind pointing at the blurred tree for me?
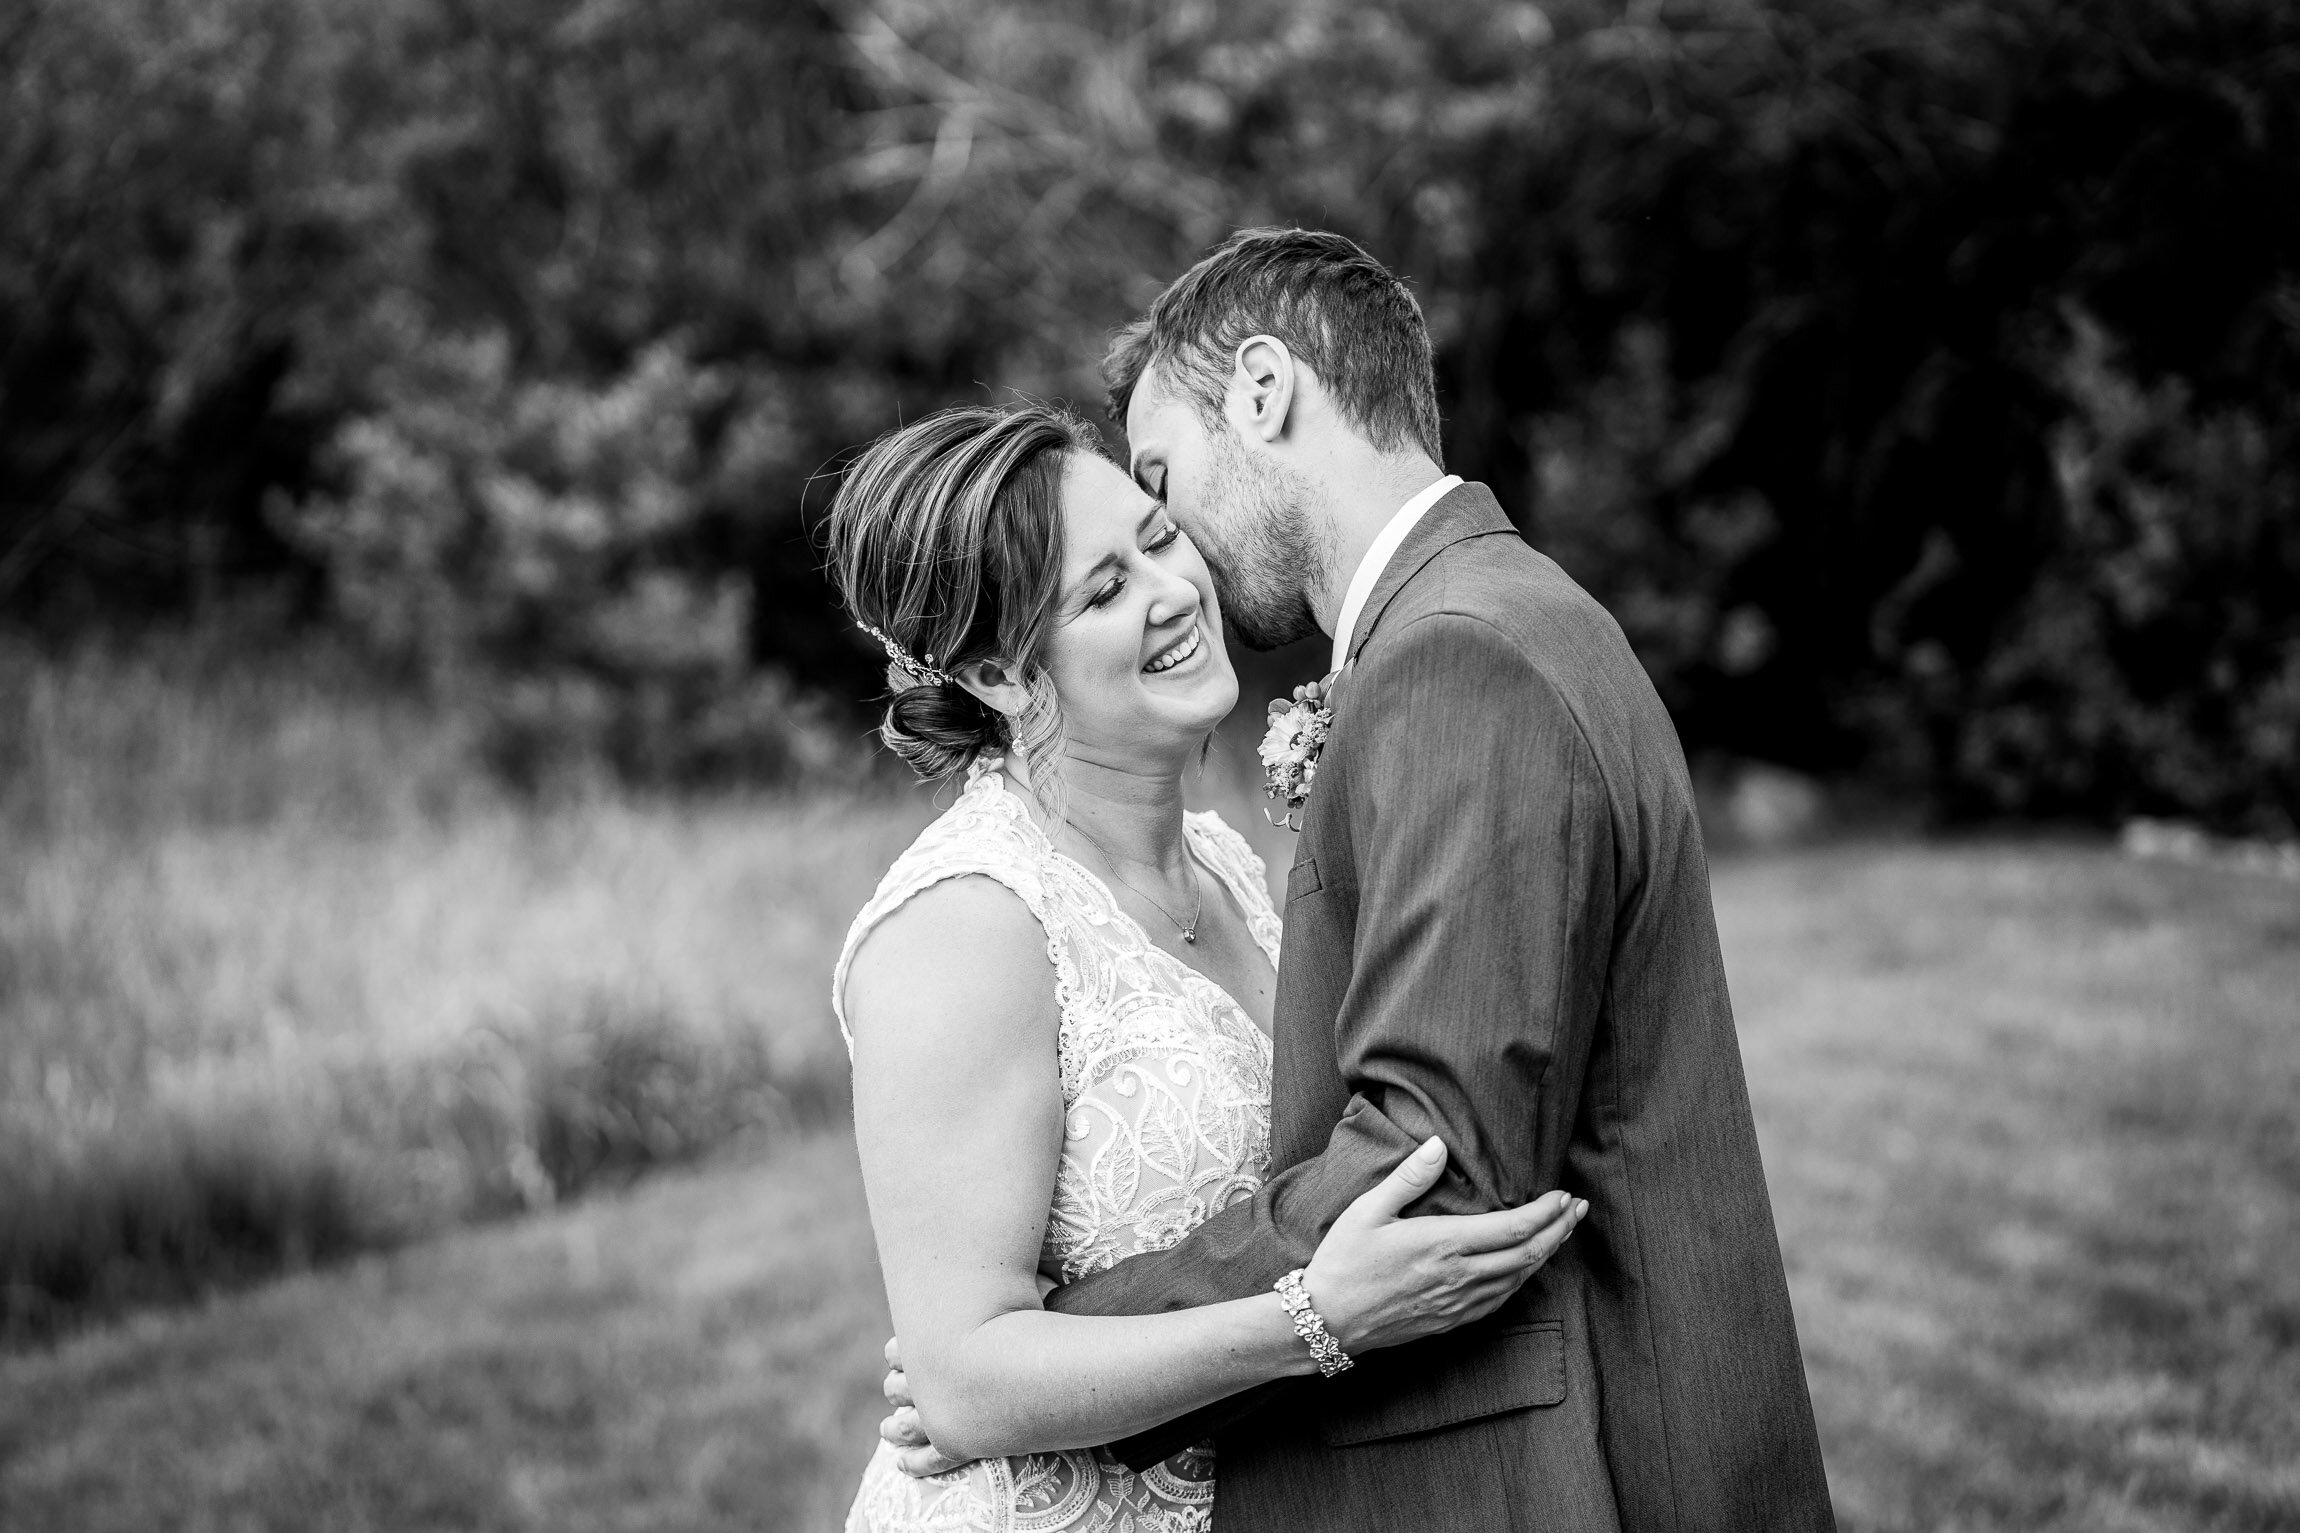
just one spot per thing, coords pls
(2155, 660)
(1758, 315)
(1838, 345)
(517, 542)
(157, 163)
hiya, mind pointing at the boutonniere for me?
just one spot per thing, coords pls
(1297, 733)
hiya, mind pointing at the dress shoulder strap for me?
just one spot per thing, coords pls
(986, 833)
(1239, 866)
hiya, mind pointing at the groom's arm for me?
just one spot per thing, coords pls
(1485, 869)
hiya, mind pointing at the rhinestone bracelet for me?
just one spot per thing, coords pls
(1307, 1325)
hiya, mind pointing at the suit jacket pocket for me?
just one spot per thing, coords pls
(1302, 878)
(1472, 1373)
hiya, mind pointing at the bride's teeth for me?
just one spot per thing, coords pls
(1175, 654)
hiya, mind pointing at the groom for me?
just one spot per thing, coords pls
(1498, 931)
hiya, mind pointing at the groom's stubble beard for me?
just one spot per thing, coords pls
(1263, 546)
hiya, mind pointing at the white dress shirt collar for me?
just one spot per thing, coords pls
(1378, 555)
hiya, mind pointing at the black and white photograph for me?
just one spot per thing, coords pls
(1149, 766)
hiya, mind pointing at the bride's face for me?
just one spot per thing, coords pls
(1135, 652)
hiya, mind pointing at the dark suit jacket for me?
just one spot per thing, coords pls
(1498, 930)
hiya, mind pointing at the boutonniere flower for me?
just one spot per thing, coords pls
(1297, 733)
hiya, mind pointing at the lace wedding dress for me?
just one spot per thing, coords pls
(1166, 1103)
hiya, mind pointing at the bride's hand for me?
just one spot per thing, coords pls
(1380, 1279)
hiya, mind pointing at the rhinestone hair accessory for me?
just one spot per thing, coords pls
(926, 673)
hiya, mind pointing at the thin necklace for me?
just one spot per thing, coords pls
(1197, 913)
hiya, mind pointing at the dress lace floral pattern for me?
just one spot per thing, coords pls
(1166, 1101)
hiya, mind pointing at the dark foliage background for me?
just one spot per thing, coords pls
(1919, 383)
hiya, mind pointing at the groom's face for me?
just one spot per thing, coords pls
(1248, 514)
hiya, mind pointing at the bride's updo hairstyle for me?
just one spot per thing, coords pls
(946, 538)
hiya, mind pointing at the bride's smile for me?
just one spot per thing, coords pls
(1179, 652)
(1135, 649)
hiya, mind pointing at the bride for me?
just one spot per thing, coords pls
(1058, 1000)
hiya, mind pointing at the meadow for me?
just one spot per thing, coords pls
(284, 978)
(2026, 1106)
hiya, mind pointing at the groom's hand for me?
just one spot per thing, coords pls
(917, 1455)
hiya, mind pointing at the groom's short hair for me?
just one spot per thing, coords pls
(1341, 312)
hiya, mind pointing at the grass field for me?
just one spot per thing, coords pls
(2028, 1117)
(282, 978)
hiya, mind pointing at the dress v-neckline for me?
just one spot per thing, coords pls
(997, 778)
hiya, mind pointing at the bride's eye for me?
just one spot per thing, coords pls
(1164, 537)
(1106, 592)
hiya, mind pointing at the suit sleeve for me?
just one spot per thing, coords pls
(1484, 900)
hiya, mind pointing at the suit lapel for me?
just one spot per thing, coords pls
(1468, 511)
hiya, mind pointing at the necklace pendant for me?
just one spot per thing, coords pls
(1190, 934)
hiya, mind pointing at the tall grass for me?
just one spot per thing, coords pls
(283, 976)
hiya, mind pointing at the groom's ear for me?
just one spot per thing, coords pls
(1261, 395)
